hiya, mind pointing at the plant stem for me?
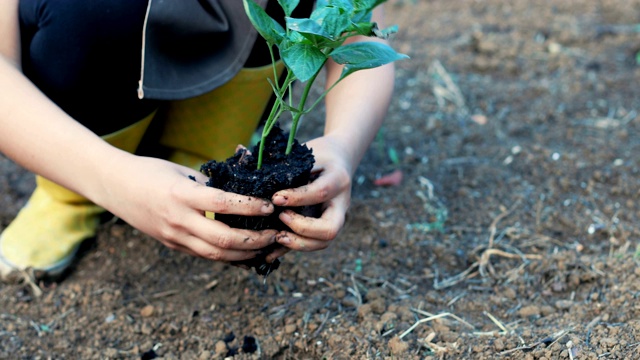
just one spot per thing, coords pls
(297, 115)
(322, 96)
(276, 110)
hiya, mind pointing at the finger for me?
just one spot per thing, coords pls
(279, 252)
(324, 228)
(224, 237)
(301, 243)
(205, 250)
(204, 198)
(319, 191)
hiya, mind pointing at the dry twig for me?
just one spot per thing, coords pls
(431, 318)
(547, 341)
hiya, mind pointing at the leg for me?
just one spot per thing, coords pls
(210, 126)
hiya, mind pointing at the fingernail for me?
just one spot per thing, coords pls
(285, 217)
(280, 200)
(267, 208)
(284, 240)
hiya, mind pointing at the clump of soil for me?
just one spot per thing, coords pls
(279, 171)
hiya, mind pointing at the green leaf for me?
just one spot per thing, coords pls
(345, 5)
(361, 16)
(288, 6)
(306, 26)
(297, 37)
(364, 55)
(386, 32)
(305, 60)
(363, 28)
(393, 156)
(333, 20)
(367, 5)
(267, 27)
(371, 29)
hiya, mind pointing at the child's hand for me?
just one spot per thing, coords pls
(332, 189)
(158, 198)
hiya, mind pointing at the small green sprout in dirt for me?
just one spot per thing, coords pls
(305, 45)
(636, 255)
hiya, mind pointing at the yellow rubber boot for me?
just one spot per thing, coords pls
(210, 126)
(49, 229)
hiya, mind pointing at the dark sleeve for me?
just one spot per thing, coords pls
(85, 56)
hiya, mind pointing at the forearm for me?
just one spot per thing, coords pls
(356, 107)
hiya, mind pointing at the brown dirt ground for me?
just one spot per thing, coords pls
(514, 234)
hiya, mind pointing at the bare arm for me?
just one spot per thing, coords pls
(356, 108)
(152, 195)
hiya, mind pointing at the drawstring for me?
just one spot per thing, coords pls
(144, 38)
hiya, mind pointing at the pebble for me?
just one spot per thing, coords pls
(397, 346)
(290, 329)
(527, 311)
(564, 304)
(147, 311)
(349, 301)
(221, 347)
(146, 329)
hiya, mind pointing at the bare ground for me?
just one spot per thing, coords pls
(513, 235)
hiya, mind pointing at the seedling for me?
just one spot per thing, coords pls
(306, 44)
(279, 161)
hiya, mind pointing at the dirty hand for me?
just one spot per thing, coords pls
(163, 202)
(332, 189)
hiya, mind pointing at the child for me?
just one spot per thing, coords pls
(83, 82)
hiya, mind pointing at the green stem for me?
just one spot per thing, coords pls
(297, 115)
(275, 112)
(273, 62)
(265, 132)
(306, 111)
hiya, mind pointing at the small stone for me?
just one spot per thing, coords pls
(498, 345)
(388, 317)
(554, 48)
(509, 293)
(147, 311)
(364, 310)
(349, 301)
(564, 304)
(146, 329)
(221, 347)
(397, 346)
(547, 310)
(290, 329)
(378, 306)
(527, 311)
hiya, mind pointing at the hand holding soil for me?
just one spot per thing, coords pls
(163, 202)
(332, 189)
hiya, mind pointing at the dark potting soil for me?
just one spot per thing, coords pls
(239, 174)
